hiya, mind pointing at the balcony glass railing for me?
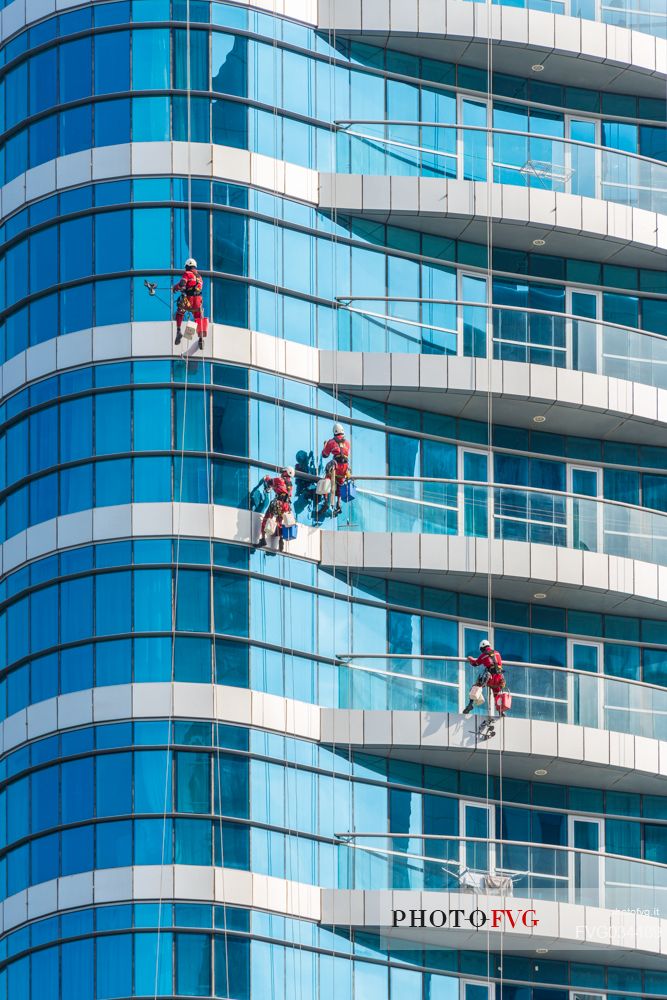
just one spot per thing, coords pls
(526, 870)
(649, 16)
(524, 159)
(516, 513)
(539, 691)
(530, 336)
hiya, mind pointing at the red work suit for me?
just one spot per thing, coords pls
(339, 450)
(190, 285)
(492, 675)
(281, 503)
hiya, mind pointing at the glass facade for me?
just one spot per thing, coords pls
(99, 796)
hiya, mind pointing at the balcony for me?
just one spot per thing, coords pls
(604, 47)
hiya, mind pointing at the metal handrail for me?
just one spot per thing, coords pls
(565, 495)
(342, 301)
(345, 659)
(346, 837)
(341, 124)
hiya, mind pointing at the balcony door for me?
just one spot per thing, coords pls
(477, 821)
(584, 334)
(586, 693)
(586, 870)
(582, 157)
(584, 523)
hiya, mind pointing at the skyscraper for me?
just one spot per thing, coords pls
(244, 773)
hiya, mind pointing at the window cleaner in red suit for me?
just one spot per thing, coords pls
(338, 469)
(190, 285)
(492, 677)
(281, 504)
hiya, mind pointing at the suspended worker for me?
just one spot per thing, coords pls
(337, 470)
(190, 285)
(492, 675)
(282, 486)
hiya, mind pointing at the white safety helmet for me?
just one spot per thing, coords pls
(289, 469)
(338, 429)
(485, 644)
(191, 262)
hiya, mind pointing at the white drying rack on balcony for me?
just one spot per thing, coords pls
(544, 171)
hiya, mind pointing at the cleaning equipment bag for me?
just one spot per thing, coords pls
(503, 701)
(348, 491)
(476, 695)
(288, 532)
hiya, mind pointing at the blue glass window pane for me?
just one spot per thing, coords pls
(77, 970)
(193, 964)
(152, 600)
(152, 964)
(76, 669)
(152, 659)
(45, 974)
(113, 794)
(112, 241)
(152, 419)
(44, 792)
(113, 662)
(76, 489)
(150, 59)
(44, 859)
(76, 242)
(196, 75)
(151, 781)
(76, 429)
(114, 966)
(229, 64)
(150, 119)
(43, 319)
(77, 790)
(193, 779)
(112, 62)
(152, 479)
(113, 844)
(44, 498)
(113, 482)
(192, 660)
(44, 678)
(44, 619)
(43, 86)
(76, 130)
(44, 259)
(194, 125)
(193, 842)
(112, 122)
(113, 610)
(16, 95)
(112, 423)
(153, 842)
(152, 239)
(18, 979)
(75, 70)
(192, 611)
(232, 968)
(43, 137)
(112, 301)
(229, 124)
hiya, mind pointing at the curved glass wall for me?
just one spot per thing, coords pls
(220, 951)
(193, 793)
(101, 615)
(115, 434)
(267, 85)
(80, 259)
